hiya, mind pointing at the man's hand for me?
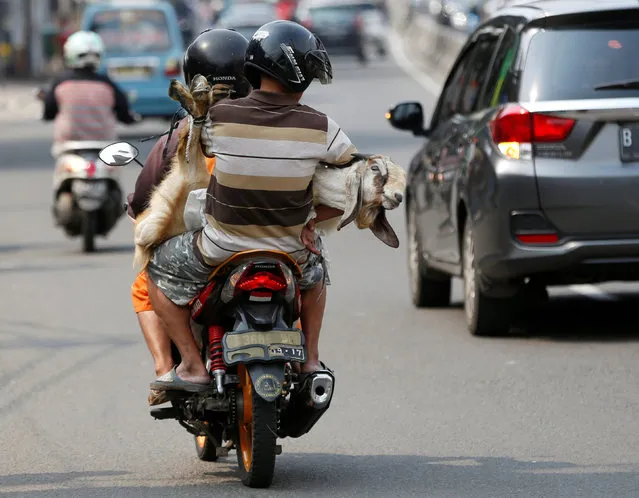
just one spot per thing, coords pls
(308, 237)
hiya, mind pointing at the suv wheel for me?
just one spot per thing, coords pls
(429, 288)
(485, 315)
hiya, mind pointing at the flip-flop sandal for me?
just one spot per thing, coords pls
(157, 397)
(170, 381)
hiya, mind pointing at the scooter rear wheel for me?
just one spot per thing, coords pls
(89, 229)
(257, 431)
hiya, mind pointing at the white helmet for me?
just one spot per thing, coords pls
(83, 49)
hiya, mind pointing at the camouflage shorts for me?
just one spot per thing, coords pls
(181, 275)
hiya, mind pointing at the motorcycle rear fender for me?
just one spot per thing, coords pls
(267, 379)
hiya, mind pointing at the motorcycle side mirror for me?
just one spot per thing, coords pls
(119, 154)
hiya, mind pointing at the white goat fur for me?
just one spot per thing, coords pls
(363, 190)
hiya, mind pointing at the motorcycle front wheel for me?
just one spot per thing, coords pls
(257, 435)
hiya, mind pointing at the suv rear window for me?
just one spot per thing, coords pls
(130, 30)
(567, 63)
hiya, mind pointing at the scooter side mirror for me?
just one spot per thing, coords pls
(118, 154)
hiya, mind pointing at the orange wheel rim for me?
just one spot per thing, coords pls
(201, 441)
(246, 418)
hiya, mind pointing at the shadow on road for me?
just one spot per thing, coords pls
(367, 475)
(576, 318)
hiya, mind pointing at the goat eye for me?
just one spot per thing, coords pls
(375, 168)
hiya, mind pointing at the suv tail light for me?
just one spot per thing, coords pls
(514, 130)
(532, 228)
(307, 23)
(358, 21)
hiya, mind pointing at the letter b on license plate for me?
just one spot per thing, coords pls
(629, 142)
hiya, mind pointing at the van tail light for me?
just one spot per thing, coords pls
(514, 130)
(358, 22)
(307, 23)
(172, 68)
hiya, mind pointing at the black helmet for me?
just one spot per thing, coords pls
(218, 55)
(288, 52)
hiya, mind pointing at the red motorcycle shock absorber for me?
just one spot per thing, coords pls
(216, 364)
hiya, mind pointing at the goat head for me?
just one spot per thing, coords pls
(376, 184)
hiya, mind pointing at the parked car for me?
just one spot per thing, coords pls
(144, 51)
(247, 18)
(529, 174)
(355, 27)
(461, 15)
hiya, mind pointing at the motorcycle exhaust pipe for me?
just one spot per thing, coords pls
(307, 405)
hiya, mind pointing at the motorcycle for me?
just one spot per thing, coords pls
(246, 323)
(87, 197)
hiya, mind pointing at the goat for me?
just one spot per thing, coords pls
(364, 189)
(188, 171)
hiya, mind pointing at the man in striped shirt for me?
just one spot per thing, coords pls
(267, 146)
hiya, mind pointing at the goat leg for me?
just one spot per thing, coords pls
(181, 94)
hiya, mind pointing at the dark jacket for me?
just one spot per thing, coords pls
(154, 170)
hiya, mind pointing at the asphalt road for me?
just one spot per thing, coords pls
(421, 407)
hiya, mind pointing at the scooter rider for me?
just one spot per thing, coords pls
(217, 54)
(83, 104)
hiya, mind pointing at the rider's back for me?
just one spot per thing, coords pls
(267, 147)
(83, 107)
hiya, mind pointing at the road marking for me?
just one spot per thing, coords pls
(399, 54)
(593, 292)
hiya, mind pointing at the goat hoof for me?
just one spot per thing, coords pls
(199, 86)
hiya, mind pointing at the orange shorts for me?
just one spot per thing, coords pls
(139, 289)
(140, 294)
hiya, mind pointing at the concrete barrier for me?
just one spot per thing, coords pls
(430, 45)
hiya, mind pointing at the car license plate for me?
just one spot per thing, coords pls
(130, 73)
(82, 188)
(629, 142)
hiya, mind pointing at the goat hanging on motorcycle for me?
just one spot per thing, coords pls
(85, 106)
(234, 266)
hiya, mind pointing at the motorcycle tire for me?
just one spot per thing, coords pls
(205, 448)
(89, 230)
(257, 435)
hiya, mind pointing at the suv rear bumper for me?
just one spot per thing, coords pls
(573, 261)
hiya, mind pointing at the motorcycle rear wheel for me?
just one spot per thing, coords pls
(257, 431)
(205, 448)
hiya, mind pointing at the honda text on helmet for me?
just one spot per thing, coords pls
(288, 52)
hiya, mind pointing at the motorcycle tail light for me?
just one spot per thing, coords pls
(262, 280)
(245, 279)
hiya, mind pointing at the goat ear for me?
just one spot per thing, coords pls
(358, 156)
(354, 198)
(383, 231)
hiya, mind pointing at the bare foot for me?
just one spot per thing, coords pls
(201, 376)
(310, 367)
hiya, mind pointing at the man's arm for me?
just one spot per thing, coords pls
(50, 110)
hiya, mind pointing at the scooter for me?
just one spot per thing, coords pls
(87, 196)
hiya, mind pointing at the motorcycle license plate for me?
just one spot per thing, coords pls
(264, 346)
(82, 188)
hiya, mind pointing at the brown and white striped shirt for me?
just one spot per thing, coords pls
(267, 147)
